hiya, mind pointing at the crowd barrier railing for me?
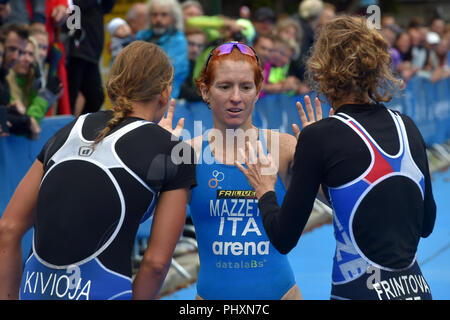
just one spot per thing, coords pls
(428, 104)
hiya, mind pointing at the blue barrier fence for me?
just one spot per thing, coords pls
(426, 103)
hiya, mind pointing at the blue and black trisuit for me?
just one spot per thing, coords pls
(372, 165)
(90, 205)
(237, 260)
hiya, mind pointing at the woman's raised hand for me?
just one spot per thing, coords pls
(167, 121)
(311, 118)
(260, 169)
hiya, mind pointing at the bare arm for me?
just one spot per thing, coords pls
(284, 225)
(16, 220)
(196, 144)
(167, 225)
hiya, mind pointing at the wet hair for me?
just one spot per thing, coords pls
(207, 76)
(351, 59)
(140, 72)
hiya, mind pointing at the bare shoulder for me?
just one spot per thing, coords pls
(281, 146)
(280, 142)
(288, 142)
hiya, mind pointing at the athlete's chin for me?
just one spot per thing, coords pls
(234, 123)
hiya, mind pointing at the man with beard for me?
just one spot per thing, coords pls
(166, 30)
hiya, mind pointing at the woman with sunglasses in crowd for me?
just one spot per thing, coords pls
(91, 186)
(237, 260)
(371, 160)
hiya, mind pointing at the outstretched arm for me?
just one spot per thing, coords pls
(285, 225)
(15, 222)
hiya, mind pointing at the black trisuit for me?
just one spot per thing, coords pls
(91, 202)
(373, 167)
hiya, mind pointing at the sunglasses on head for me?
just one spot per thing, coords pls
(226, 48)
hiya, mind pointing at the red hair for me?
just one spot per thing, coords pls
(207, 76)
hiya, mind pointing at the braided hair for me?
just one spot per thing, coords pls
(139, 73)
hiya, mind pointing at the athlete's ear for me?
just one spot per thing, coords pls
(204, 92)
(256, 97)
(165, 96)
(258, 92)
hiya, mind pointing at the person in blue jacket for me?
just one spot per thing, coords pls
(166, 30)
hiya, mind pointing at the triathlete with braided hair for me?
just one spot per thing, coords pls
(371, 162)
(89, 189)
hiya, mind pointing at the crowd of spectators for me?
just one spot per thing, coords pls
(418, 48)
(48, 68)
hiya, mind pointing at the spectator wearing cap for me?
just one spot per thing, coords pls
(437, 67)
(166, 30)
(264, 20)
(121, 35)
(437, 25)
(310, 12)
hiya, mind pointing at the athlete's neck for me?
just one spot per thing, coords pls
(225, 143)
(350, 99)
(144, 111)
